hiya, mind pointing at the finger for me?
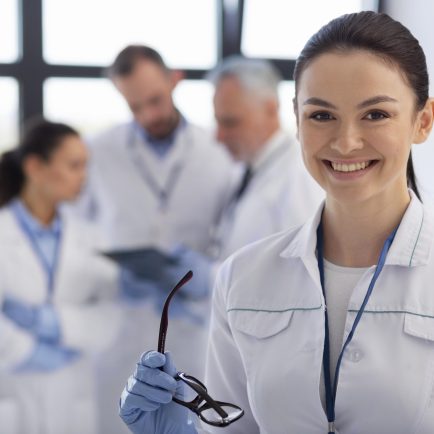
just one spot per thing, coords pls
(153, 359)
(151, 393)
(154, 377)
(131, 404)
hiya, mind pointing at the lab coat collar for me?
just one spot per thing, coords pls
(277, 140)
(411, 247)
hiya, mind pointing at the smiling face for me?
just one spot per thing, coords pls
(356, 120)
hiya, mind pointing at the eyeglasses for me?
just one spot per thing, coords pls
(212, 412)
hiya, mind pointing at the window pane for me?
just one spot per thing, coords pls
(88, 104)
(280, 28)
(8, 113)
(8, 31)
(91, 105)
(194, 99)
(93, 32)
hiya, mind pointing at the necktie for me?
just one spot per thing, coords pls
(244, 183)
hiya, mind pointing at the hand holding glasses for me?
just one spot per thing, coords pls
(152, 401)
(212, 412)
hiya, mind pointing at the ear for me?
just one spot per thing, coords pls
(175, 77)
(32, 167)
(424, 122)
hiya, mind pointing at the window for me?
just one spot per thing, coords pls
(64, 102)
(105, 107)
(93, 32)
(278, 29)
(8, 31)
(8, 113)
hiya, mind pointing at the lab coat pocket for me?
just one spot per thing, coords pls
(9, 421)
(419, 326)
(422, 362)
(259, 334)
(261, 324)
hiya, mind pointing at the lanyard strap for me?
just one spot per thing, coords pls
(162, 194)
(330, 391)
(49, 269)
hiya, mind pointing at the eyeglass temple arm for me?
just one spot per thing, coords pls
(164, 316)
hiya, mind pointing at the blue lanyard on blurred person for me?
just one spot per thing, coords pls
(49, 267)
(330, 391)
(161, 193)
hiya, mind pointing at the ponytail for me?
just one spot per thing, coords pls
(411, 177)
(11, 176)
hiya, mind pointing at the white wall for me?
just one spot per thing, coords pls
(418, 16)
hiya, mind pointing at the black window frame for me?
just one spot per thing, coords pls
(31, 70)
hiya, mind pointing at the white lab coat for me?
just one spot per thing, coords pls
(61, 401)
(280, 195)
(119, 198)
(267, 334)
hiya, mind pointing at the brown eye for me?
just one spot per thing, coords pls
(376, 116)
(321, 116)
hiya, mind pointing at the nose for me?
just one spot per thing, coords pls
(347, 139)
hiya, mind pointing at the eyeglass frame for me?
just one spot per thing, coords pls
(203, 400)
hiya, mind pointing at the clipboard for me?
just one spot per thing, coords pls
(144, 262)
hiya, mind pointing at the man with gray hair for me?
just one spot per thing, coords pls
(276, 192)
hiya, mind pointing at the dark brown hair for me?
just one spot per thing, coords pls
(127, 59)
(382, 36)
(40, 138)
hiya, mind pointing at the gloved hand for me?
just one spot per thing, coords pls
(187, 259)
(146, 404)
(134, 288)
(47, 357)
(42, 320)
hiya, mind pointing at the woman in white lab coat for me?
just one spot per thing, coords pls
(56, 292)
(365, 363)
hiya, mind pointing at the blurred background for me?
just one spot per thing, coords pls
(53, 53)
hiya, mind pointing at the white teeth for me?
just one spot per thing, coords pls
(341, 167)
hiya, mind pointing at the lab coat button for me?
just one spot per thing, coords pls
(355, 356)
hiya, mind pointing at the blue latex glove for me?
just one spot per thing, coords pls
(47, 357)
(187, 259)
(42, 320)
(146, 404)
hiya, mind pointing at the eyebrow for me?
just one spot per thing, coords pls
(371, 101)
(375, 100)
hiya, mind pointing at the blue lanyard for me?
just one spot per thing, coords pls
(50, 270)
(330, 391)
(164, 193)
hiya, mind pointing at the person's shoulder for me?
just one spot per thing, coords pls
(5, 216)
(267, 248)
(110, 137)
(85, 232)
(261, 254)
